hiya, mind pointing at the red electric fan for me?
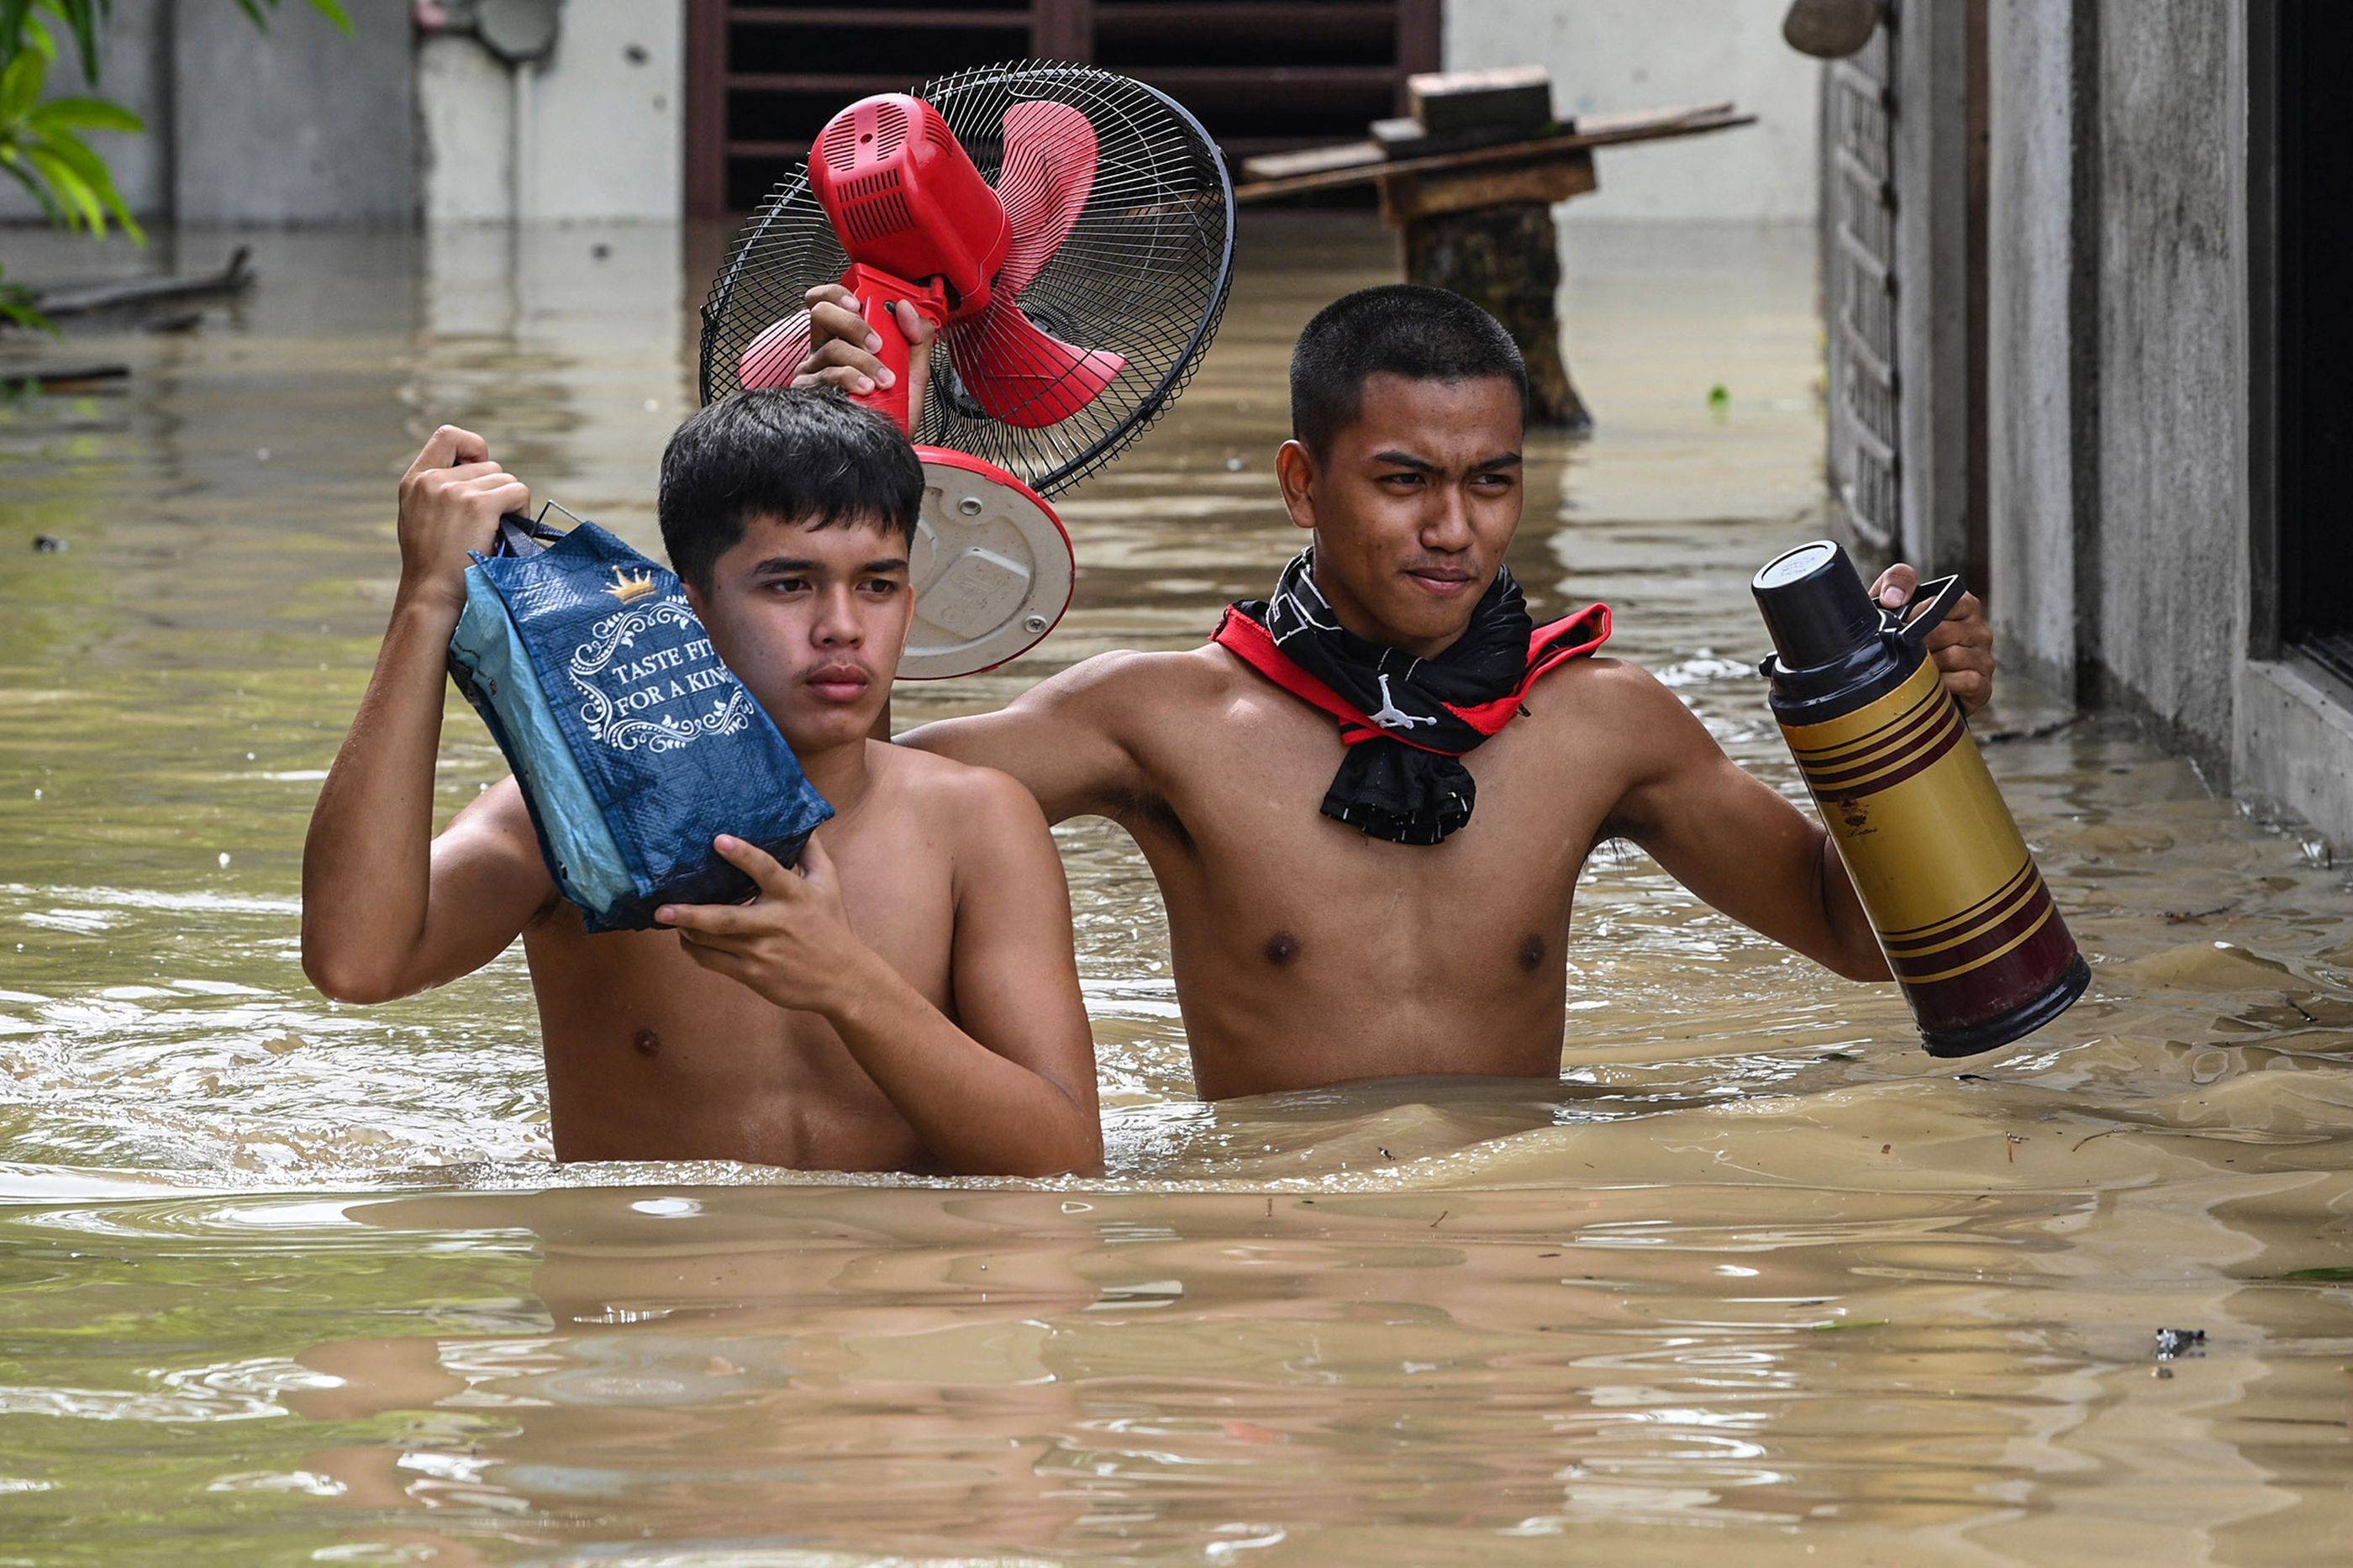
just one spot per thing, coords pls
(1070, 232)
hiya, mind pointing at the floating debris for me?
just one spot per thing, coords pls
(2174, 1343)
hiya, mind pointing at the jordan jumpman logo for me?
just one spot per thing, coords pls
(1391, 717)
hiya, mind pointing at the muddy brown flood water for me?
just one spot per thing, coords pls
(282, 1282)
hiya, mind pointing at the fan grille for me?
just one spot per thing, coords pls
(1144, 272)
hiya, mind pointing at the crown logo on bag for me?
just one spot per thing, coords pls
(629, 589)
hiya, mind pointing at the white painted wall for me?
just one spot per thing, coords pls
(1613, 56)
(594, 134)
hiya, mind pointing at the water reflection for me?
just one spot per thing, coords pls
(300, 1277)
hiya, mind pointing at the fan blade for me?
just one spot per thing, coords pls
(1021, 374)
(770, 359)
(1048, 174)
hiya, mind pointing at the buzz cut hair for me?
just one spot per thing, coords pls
(806, 456)
(1408, 329)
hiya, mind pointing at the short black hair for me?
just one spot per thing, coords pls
(806, 455)
(1398, 329)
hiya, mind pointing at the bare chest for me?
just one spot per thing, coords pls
(649, 1054)
(1238, 837)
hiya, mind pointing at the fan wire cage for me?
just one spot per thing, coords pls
(1143, 273)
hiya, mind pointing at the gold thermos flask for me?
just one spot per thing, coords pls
(1961, 912)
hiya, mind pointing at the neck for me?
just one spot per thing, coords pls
(1354, 619)
(838, 772)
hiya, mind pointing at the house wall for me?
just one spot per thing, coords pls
(2172, 593)
(2042, 443)
(2122, 400)
(308, 125)
(1612, 55)
(134, 52)
(2116, 345)
(593, 133)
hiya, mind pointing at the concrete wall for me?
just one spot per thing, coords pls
(2171, 607)
(308, 125)
(135, 55)
(2039, 434)
(2121, 389)
(595, 133)
(1610, 55)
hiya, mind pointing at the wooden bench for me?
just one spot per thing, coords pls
(1479, 220)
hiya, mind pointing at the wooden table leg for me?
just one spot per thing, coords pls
(1489, 236)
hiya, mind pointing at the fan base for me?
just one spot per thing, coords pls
(991, 566)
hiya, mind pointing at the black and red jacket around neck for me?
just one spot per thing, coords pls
(1406, 721)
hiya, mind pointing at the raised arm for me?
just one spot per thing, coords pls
(1738, 845)
(1004, 1087)
(1728, 836)
(386, 908)
(1064, 739)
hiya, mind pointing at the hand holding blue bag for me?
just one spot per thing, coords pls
(634, 744)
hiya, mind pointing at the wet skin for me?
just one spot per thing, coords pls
(1306, 952)
(906, 1000)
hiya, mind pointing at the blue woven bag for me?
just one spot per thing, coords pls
(634, 744)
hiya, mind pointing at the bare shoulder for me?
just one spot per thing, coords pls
(496, 818)
(1646, 725)
(491, 837)
(1114, 684)
(965, 804)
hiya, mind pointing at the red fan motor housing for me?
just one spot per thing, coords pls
(906, 199)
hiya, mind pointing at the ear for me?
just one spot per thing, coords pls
(1295, 472)
(694, 601)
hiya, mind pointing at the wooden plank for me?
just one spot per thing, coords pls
(1409, 197)
(705, 128)
(1264, 79)
(1063, 30)
(911, 16)
(1593, 130)
(1314, 161)
(1133, 22)
(1419, 31)
(848, 84)
(233, 279)
(1406, 137)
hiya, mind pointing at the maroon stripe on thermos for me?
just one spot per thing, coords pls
(2018, 921)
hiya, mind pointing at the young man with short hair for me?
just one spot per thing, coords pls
(1343, 901)
(907, 1000)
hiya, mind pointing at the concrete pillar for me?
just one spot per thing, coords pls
(2043, 333)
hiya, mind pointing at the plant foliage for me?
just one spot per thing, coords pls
(43, 136)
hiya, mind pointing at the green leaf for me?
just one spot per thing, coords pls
(12, 158)
(80, 18)
(12, 14)
(91, 170)
(20, 84)
(333, 10)
(88, 114)
(79, 202)
(2326, 1274)
(17, 305)
(84, 15)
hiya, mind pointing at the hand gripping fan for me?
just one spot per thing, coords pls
(1070, 233)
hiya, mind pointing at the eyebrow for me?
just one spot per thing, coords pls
(792, 563)
(1423, 465)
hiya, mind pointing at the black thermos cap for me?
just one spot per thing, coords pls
(1814, 606)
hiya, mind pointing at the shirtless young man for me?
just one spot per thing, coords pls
(1307, 950)
(907, 1001)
